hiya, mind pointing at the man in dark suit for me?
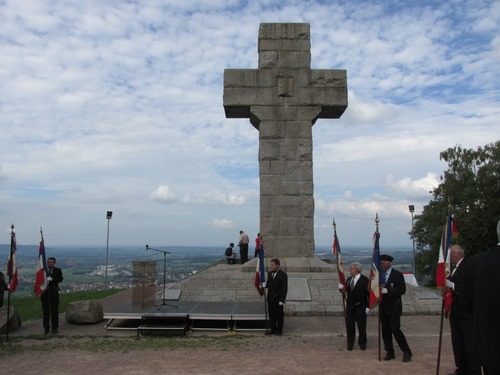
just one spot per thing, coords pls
(357, 305)
(391, 309)
(480, 297)
(277, 284)
(460, 319)
(50, 297)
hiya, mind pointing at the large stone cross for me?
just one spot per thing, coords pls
(283, 99)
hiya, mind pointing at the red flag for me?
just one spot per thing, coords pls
(41, 274)
(11, 264)
(340, 264)
(376, 278)
(443, 267)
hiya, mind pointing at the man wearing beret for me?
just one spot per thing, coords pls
(391, 309)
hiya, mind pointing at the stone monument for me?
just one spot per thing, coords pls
(283, 98)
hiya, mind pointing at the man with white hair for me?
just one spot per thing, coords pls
(357, 305)
(460, 319)
(481, 297)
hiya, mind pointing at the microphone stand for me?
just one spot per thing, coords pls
(163, 303)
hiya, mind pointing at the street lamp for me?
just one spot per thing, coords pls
(411, 207)
(109, 214)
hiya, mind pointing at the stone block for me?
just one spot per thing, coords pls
(84, 312)
(269, 149)
(14, 320)
(270, 185)
(272, 130)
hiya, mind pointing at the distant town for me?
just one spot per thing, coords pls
(84, 268)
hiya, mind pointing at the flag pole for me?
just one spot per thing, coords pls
(447, 243)
(338, 271)
(377, 221)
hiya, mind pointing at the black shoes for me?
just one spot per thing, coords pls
(407, 356)
(362, 347)
(389, 356)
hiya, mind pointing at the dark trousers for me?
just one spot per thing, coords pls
(461, 341)
(356, 315)
(276, 316)
(50, 308)
(391, 326)
(244, 252)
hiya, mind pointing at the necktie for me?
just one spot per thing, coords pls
(351, 283)
(274, 274)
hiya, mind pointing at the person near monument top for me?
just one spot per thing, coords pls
(480, 297)
(243, 244)
(231, 254)
(460, 319)
(391, 309)
(357, 305)
(277, 285)
(50, 297)
(258, 242)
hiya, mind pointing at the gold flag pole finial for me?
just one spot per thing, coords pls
(334, 225)
(41, 232)
(377, 220)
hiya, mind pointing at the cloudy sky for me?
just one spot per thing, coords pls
(117, 105)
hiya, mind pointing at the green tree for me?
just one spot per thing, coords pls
(471, 188)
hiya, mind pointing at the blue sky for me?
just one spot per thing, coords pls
(117, 105)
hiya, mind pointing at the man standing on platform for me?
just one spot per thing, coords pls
(243, 244)
(482, 284)
(460, 319)
(50, 297)
(357, 305)
(391, 309)
(277, 284)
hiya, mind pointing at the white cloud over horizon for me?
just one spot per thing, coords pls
(118, 106)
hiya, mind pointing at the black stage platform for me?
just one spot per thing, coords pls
(229, 316)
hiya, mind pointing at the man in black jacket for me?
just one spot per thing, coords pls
(357, 305)
(460, 319)
(391, 309)
(50, 297)
(277, 284)
(480, 297)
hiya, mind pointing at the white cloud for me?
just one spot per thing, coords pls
(215, 197)
(223, 223)
(162, 194)
(414, 188)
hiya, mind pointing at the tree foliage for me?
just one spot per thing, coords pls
(470, 188)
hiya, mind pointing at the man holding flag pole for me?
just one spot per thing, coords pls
(47, 282)
(391, 286)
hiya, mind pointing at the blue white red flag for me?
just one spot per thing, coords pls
(376, 276)
(260, 277)
(340, 264)
(443, 268)
(11, 264)
(41, 273)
